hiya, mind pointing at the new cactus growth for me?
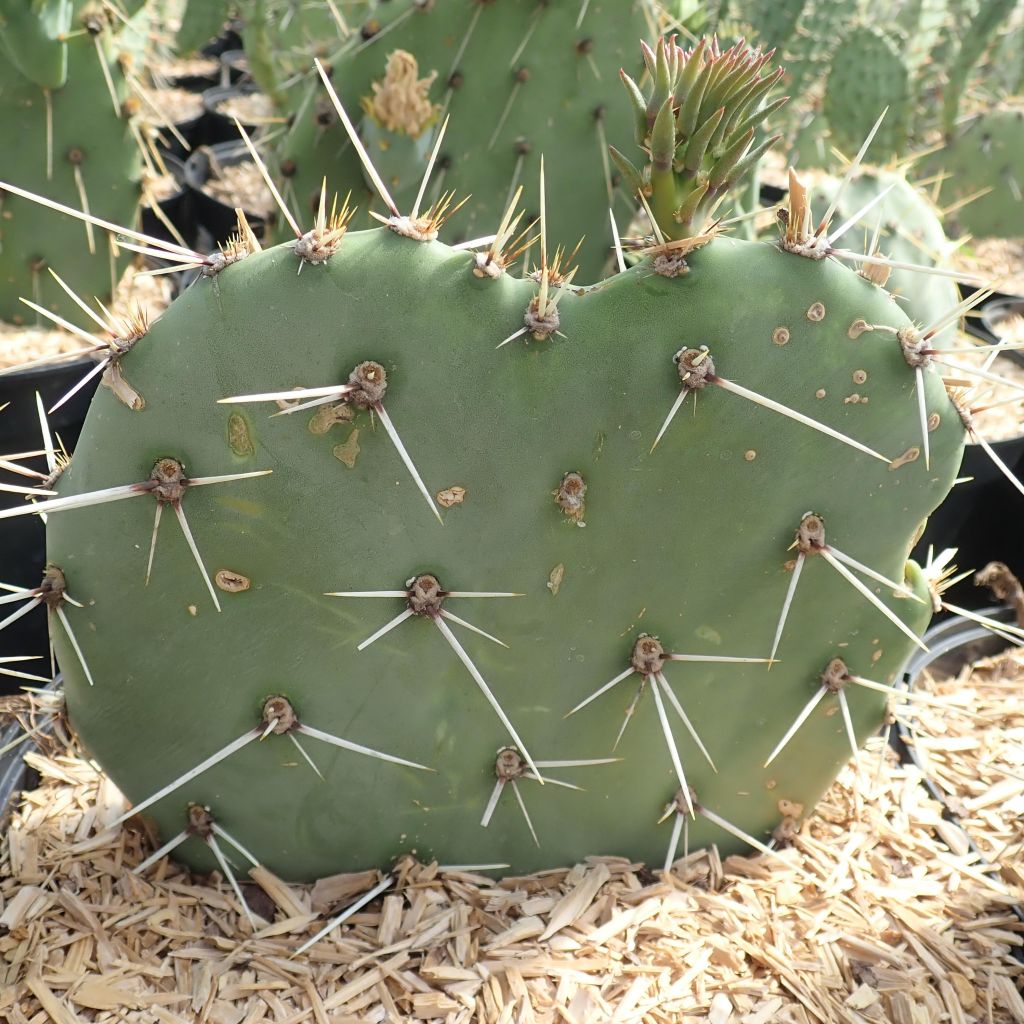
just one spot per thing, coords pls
(62, 91)
(626, 602)
(697, 126)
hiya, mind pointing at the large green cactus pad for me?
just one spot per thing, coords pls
(688, 542)
(869, 75)
(521, 81)
(73, 146)
(987, 154)
(909, 231)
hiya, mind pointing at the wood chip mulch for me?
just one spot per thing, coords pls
(980, 771)
(243, 185)
(881, 915)
(996, 259)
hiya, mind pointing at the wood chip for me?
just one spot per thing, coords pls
(876, 920)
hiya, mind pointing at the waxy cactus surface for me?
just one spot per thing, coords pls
(983, 168)
(902, 222)
(680, 501)
(518, 80)
(62, 89)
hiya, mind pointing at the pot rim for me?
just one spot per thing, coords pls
(990, 315)
(36, 372)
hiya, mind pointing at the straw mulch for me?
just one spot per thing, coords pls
(873, 919)
(980, 771)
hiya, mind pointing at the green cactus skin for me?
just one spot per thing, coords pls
(987, 153)
(991, 15)
(86, 133)
(1006, 64)
(821, 29)
(201, 21)
(868, 75)
(922, 24)
(918, 60)
(772, 24)
(569, 77)
(688, 543)
(911, 232)
(32, 37)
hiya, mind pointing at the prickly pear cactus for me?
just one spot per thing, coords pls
(773, 24)
(868, 75)
(62, 91)
(520, 80)
(820, 31)
(477, 458)
(986, 161)
(909, 230)
(973, 43)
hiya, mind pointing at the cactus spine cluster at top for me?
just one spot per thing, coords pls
(645, 538)
(67, 134)
(904, 224)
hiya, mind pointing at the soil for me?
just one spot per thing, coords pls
(155, 189)
(249, 108)
(241, 185)
(175, 106)
(26, 344)
(996, 259)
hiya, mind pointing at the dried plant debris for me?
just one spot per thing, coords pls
(980, 770)
(184, 67)
(1000, 259)
(26, 344)
(23, 343)
(249, 108)
(173, 106)
(1000, 406)
(241, 183)
(874, 918)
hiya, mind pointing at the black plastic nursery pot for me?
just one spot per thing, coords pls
(981, 517)
(234, 67)
(13, 775)
(229, 39)
(952, 644)
(23, 539)
(213, 215)
(182, 75)
(998, 309)
(220, 127)
(184, 136)
(175, 208)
